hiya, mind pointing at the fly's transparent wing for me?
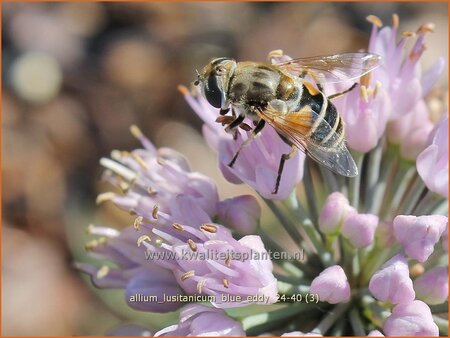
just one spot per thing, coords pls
(333, 68)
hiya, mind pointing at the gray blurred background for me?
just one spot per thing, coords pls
(77, 75)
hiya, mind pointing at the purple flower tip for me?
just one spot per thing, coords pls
(432, 286)
(392, 283)
(418, 235)
(241, 213)
(331, 285)
(333, 213)
(411, 319)
(359, 229)
(375, 333)
(200, 320)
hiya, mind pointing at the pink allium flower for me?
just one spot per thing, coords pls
(154, 176)
(392, 283)
(375, 333)
(199, 320)
(432, 163)
(331, 285)
(241, 213)
(359, 229)
(257, 164)
(138, 276)
(418, 235)
(333, 213)
(206, 259)
(411, 131)
(411, 319)
(432, 286)
(365, 111)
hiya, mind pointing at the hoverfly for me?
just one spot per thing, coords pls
(288, 96)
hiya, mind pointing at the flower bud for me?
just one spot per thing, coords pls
(392, 283)
(241, 213)
(333, 213)
(411, 319)
(432, 286)
(418, 235)
(359, 229)
(331, 285)
(385, 234)
(375, 333)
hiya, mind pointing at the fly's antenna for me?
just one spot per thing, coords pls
(197, 82)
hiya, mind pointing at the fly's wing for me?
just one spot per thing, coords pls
(296, 128)
(333, 68)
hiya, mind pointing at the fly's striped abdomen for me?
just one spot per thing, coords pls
(327, 127)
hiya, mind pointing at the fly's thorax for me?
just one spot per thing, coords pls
(254, 84)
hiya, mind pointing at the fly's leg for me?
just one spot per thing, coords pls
(255, 132)
(342, 93)
(233, 125)
(283, 159)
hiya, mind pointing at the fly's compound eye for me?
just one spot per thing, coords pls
(212, 92)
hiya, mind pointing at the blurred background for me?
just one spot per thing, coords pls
(77, 75)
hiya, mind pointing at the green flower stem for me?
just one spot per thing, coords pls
(285, 222)
(402, 179)
(439, 308)
(290, 289)
(442, 324)
(356, 181)
(374, 261)
(261, 322)
(413, 195)
(356, 323)
(374, 199)
(330, 180)
(292, 280)
(331, 318)
(373, 177)
(373, 311)
(309, 190)
(430, 202)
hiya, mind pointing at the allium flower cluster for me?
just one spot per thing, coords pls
(374, 248)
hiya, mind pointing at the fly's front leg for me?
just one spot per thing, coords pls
(232, 127)
(283, 159)
(255, 132)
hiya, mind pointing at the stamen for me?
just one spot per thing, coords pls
(395, 21)
(228, 261)
(375, 20)
(275, 53)
(155, 211)
(192, 245)
(416, 270)
(200, 285)
(365, 79)
(158, 242)
(408, 34)
(178, 226)
(183, 90)
(426, 28)
(125, 187)
(143, 238)
(138, 222)
(209, 228)
(118, 169)
(364, 94)
(94, 243)
(136, 132)
(226, 283)
(140, 161)
(151, 192)
(106, 196)
(102, 272)
(102, 231)
(187, 275)
(376, 89)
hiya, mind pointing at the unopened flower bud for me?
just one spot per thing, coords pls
(418, 235)
(392, 283)
(359, 229)
(331, 285)
(333, 213)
